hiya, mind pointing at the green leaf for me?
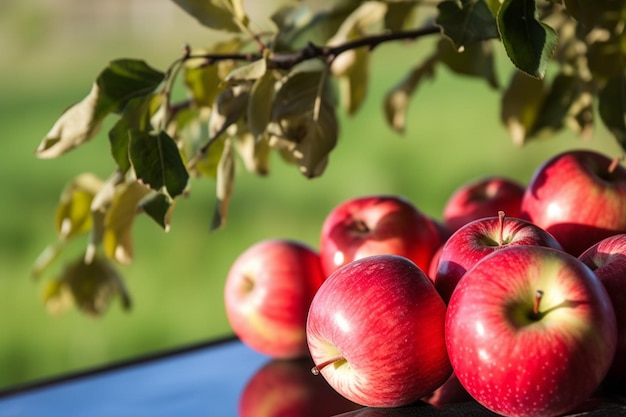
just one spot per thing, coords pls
(224, 186)
(529, 43)
(520, 105)
(158, 207)
(157, 162)
(556, 106)
(216, 14)
(396, 101)
(125, 79)
(466, 22)
(73, 214)
(136, 116)
(476, 60)
(612, 108)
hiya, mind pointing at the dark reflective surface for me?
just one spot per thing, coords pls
(219, 379)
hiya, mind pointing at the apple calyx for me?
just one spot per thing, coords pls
(337, 360)
(360, 226)
(536, 314)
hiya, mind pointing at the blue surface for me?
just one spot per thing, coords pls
(200, 382)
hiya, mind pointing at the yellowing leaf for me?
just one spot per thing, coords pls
(73, 214)
(224, 185)
(248, 72)
(118, 221)
(254, 153)
(397, 99)
(259, 109)
(214, 14)
(89, 286)
(77, 125)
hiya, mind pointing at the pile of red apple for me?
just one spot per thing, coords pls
(516, 297)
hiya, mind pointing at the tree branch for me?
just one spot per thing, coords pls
(287, 60)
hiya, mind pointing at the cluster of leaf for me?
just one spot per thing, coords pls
(279, 90)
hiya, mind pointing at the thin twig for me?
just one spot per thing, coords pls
(287, 60)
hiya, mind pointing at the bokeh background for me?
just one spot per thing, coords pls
(52, 50)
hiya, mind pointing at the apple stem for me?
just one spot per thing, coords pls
(501, 216)
(614, 163)
(318, 368)
(538, 296)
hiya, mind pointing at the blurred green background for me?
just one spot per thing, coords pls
(51, 53)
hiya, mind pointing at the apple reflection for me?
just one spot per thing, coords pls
(287, 388)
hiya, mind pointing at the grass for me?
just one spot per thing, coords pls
(453, 136)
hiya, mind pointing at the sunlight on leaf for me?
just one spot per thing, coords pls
(118, 221)
(73, 214)
(294, 129)
(77, 125)
(46, 258)
(254, 153)
(213, 13)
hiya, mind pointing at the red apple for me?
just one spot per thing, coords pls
(607, 259)
(267, 295)
(376, 332)
(530, 331)
(376, 225)
(579, 197)
(482, 198)
(479, 238)
(287, 388)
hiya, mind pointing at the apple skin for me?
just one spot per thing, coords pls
(287, 388)
(483, 198)
(376, 225)
(607, 259)
(479, 238)
(382, 318)
(523, 366)
(267, 294)
(576, 198)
